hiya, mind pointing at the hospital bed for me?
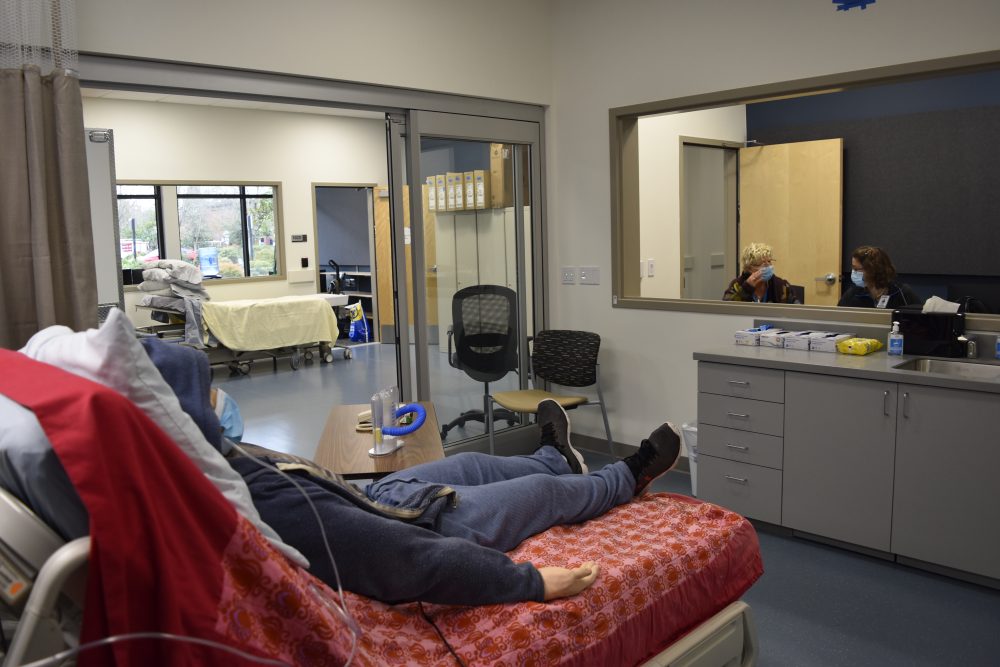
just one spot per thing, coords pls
(240, 331)
(673, 570)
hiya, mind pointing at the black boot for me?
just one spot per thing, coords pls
(656, 456)
(554, 423)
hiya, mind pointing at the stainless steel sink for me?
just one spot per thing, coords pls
(956, 368)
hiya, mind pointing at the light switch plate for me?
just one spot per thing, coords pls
(590, 275)
(569, 275)
(650, 267)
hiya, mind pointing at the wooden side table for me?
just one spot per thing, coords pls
(345, 451)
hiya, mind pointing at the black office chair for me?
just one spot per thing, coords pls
(484, 328)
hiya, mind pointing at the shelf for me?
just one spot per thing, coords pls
(355, 273)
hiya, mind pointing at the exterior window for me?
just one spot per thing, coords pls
(140, 224)
(228, 230)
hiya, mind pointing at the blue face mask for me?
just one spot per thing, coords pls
(767, 272)
(858, 278)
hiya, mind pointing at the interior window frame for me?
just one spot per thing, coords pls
(624, 156)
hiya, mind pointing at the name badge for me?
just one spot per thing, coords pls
(883, 301)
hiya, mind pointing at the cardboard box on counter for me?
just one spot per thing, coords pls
(774, 337)
(748, 337)
(798, 340)
(828, 342)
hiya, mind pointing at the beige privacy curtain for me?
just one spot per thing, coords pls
(47, 271)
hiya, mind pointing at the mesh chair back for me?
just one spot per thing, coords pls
(484, 322)
(568, 358)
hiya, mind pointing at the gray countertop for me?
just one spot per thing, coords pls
(875, 366)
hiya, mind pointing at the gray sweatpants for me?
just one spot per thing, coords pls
(503, 500)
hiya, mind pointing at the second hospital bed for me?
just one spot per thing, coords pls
(236, 332)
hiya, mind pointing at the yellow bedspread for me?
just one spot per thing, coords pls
(266, 324)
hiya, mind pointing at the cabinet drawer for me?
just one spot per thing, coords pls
(761, 384)
(742, 446)
(750, 490)
(741, 413)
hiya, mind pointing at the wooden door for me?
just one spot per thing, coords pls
(791, 199)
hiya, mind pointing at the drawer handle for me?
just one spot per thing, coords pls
(738, 480)
(742, 448)
(739, 415)
(742, 383)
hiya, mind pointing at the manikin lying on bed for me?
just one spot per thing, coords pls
(434, 533)
(437, 532)
(96, 442)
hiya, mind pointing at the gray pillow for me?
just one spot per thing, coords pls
(30, 469)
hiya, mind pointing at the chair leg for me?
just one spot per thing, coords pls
(488, 411)
(604, 413)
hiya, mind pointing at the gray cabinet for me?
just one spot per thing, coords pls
(740, 423)
(946, 505)
(840, 436)
(907, 469)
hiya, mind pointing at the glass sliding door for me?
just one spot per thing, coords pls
(475, 273)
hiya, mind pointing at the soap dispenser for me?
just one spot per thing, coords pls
(895, 340)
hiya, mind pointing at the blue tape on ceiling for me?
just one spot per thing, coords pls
(844, 5)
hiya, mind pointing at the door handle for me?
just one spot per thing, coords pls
(829, 279)
(738, 480)
(742, 448)
(885, 403)
(906, 396)
(743, 383)
(738, 414)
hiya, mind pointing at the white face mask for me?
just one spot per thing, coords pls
(858, 278)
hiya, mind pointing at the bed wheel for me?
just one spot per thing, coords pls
(244, 367)
(328, 357)
(347, 354)
(296, 360)
(309, 356)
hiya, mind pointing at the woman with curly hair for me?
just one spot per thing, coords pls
(875, 284)
(758, 282)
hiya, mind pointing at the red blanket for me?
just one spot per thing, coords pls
(168, 552)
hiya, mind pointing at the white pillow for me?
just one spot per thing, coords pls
(114, 357)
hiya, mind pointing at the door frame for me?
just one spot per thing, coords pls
(439, 125)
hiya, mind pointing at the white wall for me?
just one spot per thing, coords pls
(157, 141)
(582, 57)
(659, 186)
(475, 47)
(610, 54)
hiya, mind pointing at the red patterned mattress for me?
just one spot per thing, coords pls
(668, 562)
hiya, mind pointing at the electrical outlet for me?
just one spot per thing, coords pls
(590, 275)
(569, 275)
(650, 267)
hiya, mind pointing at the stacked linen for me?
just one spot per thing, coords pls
(173, 278)
(173, 285)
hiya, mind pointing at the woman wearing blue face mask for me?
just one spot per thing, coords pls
(874, 282)
(758, 282)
